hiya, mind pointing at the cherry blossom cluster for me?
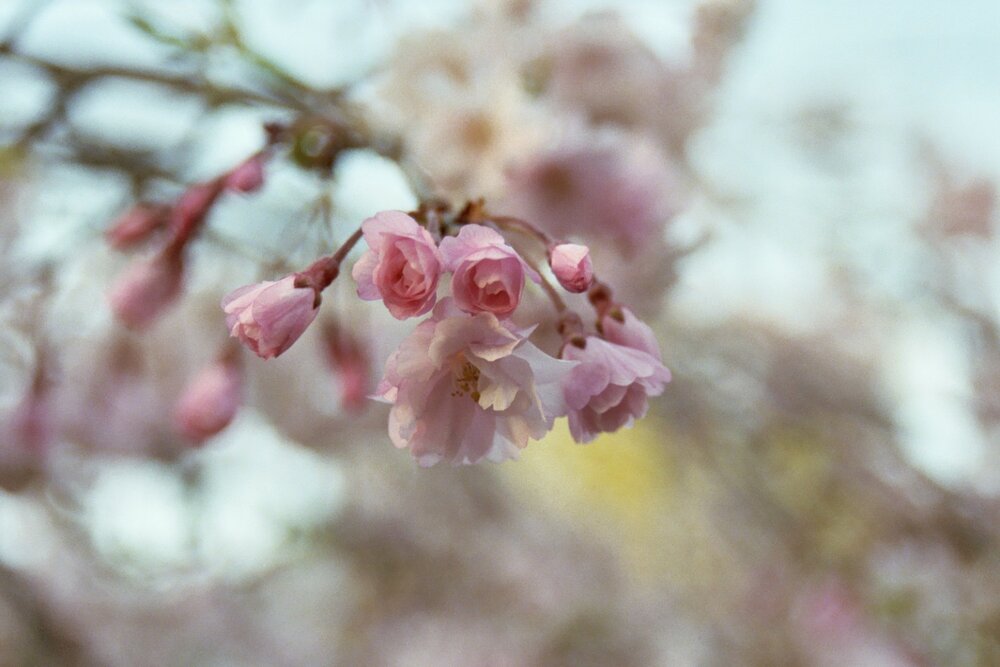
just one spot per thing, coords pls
(468, 384)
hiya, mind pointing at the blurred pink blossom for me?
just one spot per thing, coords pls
(135, 225)
(467, 388)
(269, 316)
(623, 191)
(248, 176)
(209, 401)
(401, 267)
(349, 357)
(192, 207)
(488, 273)
(146, 288)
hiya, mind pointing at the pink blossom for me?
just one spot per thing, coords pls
(209, 401)
(621, 326)
(401, 267)
(610, 387)
(145, 289)
(572, 267)
(248, 176)
(269, 316)
(488, 273)
(469, 387)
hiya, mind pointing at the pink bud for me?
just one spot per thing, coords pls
(146, 288)
(209, 401)
(269, 316)
(572, 266)
(134, 226)
(31, 424)
(247, 177)
(349, 358)
(193, 206)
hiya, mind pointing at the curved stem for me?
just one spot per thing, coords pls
(347, 246)
(549, 290)
(553, 294)
(517, 224)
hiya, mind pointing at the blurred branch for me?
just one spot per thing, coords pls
(71, 79)
(233, 36)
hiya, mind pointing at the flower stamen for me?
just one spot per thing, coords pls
(466, 380)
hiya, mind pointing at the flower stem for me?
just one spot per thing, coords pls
(517, 224)
(325, 270)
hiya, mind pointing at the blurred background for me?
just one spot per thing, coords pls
(800, 196)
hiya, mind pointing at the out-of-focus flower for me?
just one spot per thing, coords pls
(269, 316)
(616, 188)
(210, 400)
(26, 433)
(135, 225)
(458, 100)
(598, 66)
(349, 357)
(488, 273)
(193, 206)
(401, 267)
(610, 387)
(247, 177)
(572, 266)
(467, 388)
(146, 288)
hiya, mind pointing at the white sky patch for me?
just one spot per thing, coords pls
(259, 488)
(253, 493)
(136, 515)
(331, 43)
(134, 115)
(745, 274)
(365, 184)
(82, 33)
(927, 372)
(70, 204)
(26, 94)
(27, 536)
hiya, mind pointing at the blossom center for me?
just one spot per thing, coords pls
(465, 379)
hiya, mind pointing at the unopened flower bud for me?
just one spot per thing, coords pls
(209, 401)
(572, 267)
(134, 226)
(269, 316)
(247, 177)
(146, 288)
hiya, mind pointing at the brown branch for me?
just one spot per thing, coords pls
(70, 79)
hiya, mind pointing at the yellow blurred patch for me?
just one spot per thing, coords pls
(619, 485)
